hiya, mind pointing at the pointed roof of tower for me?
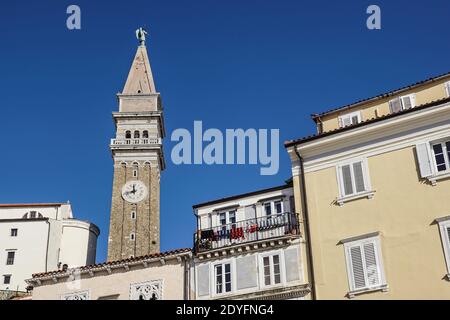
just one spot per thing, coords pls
(140, 78)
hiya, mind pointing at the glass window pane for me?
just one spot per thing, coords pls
(223, 219)
(437, 148)
(277, 278)
(232, 216)
(266, 261)
(268, 209)
(278, 206)
(227, 267)
(228, 287)
(267, 280)
(276, 259)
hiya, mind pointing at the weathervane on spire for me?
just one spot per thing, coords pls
(140, 35)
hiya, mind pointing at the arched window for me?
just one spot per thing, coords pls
(145, 134)
(136, 134)
(127, 134)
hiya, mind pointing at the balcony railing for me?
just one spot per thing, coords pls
(274, 226)
(137, 141)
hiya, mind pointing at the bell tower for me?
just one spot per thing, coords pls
(138, 161)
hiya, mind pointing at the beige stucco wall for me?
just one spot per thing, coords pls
(118, 282)
(380, 107)
(402, 210)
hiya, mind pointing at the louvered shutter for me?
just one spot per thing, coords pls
(355, 120)
(370, 257)
(406, 102)
(346, 121)
(347, 180)
(356, 259)
(447, 88)
(424, 160)
(448, 234)
(395, 105)
(359, 177)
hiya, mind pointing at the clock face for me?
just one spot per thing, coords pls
(134, 191)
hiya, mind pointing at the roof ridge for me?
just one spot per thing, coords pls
(382, 95)
(115, 262)
(289, 143)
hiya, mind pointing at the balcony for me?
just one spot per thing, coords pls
(275, 226)
(137, 141)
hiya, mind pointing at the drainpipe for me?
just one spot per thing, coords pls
(48, 243)
(306, 223)
(187, 280)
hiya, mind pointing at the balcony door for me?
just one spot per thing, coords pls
(227, 219)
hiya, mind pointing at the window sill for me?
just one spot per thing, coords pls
(382, 288)
(439, 176)
(366, 194)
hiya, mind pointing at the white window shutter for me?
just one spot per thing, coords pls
(423, 158)
(347, 180)
(406, 102)
(447, 88)
(395, 105)
(413, 100)
(346, 121)
(359, 280)
(359, 177)
(373, 276)
(341, 124)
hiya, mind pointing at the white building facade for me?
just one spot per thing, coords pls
(249, 247)
(39, 238)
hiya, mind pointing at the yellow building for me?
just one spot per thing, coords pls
(374, 186)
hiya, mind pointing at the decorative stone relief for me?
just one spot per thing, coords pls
(149, 290)
(81, 295)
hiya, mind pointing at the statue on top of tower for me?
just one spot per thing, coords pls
(140, 35)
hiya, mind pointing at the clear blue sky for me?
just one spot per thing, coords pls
(231, 64)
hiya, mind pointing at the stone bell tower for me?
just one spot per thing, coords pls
(138, 161)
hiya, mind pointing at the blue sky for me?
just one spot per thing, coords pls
(231, 64)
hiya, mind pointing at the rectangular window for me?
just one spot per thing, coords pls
(273, 208)
(441, 152)
(14, 232)
(364, 264)
(133, 215)
(272, 273)
(10, 257)
(402, 103)
(7, 279)
(353, 178)
(227, 219)
(223, 278)
(349, 119)
(444, 227)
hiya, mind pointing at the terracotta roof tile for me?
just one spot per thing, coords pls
(31, 204)
(115, 262)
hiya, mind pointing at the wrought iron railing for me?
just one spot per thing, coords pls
(273, 226)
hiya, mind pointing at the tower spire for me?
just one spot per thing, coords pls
(140, 78)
